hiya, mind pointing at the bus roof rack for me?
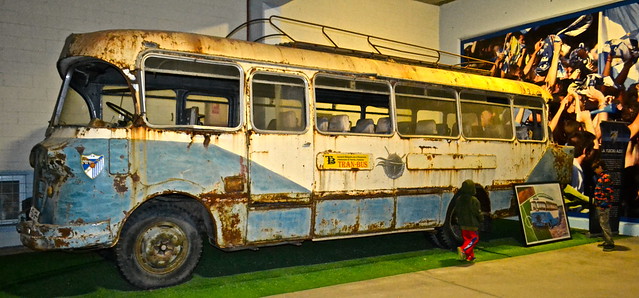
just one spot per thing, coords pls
(375, 47)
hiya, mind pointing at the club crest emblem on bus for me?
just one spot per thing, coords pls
(393, 165)
(92, 165)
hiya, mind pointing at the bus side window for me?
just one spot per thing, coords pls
(424, 110)
(529, 122)
(486, 115)
(278, 102)
(352, 105)
(187, 93)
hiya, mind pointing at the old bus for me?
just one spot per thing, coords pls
(544, 212)
(161, 139)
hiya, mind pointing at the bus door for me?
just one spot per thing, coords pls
(281, 160)
(357, 161)
(199, 146)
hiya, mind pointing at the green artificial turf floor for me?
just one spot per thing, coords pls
(268, 271)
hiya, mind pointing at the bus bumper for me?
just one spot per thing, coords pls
(50, 237)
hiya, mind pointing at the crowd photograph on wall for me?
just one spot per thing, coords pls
(588, 62)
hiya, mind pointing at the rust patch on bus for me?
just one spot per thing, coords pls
(119, 184)
(280, 198)
(65, 232)
(135, 177)
(562, 164)
(354, 195)
(230, 210)
(60, 243)
(234, 184)
(230, 221)
(377, 226)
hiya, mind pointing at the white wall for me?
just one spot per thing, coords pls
(463, 19)
(32, 33)
(402, 20)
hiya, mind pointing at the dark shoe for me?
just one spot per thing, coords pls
(608, 248)
(470, 259)
(601, 244)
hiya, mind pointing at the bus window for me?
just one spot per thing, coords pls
(74, 111)
(485, 116)
(529, 122)
(347, 105)
(94, 87)
(279, 103)
(187, 93)
(425, 111)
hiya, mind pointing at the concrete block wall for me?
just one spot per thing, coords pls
(32, 33)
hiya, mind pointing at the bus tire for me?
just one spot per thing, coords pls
(159, 246)
(449, 235)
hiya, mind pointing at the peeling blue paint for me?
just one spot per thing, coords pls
(415, 211)
(500, 199)
(264, 225)
(376, 214)
(335, 216)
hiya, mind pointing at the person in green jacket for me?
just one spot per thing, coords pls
(469, 217)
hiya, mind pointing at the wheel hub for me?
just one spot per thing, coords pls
(161, 248)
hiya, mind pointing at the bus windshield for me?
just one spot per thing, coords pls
(94, 94)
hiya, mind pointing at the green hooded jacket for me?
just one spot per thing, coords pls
(467, 209)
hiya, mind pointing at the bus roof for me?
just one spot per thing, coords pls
(122, 48)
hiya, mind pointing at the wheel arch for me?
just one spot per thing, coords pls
(449, 234)
(203, 218)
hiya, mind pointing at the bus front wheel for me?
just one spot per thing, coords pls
(159, 246)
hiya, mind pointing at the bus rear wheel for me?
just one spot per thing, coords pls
(449, 235)
(159, 246)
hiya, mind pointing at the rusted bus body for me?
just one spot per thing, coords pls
(252, 185)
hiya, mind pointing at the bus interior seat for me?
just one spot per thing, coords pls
(288, 121)
(537, 132)
(522, 132)
(322, 123)
(383, 125)
(193, 116)
(405, 127)
(443, 130)
(339, 123)
(364, 126)
(469, 120)
(272, 125)
(455, 130)
(426, 127)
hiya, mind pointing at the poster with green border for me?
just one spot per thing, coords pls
(542, 213)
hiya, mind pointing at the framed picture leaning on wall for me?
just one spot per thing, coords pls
(542, 213)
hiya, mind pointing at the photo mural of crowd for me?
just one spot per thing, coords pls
(592, 80)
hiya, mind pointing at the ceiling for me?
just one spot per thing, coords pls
(436, 2)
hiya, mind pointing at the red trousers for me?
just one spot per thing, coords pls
(470, 240)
